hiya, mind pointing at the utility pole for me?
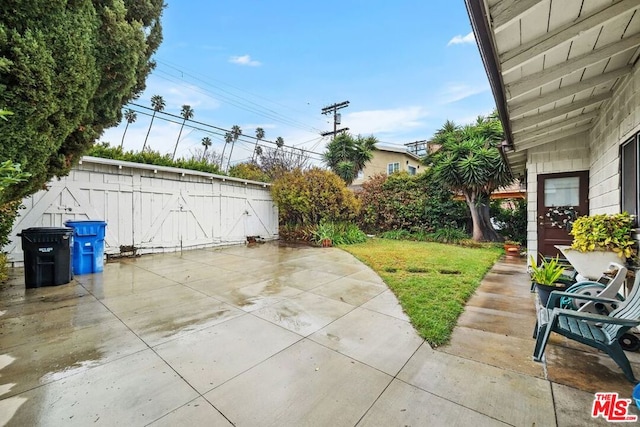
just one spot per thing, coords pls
(336, 117)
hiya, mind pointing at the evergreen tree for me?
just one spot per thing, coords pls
(66, 69)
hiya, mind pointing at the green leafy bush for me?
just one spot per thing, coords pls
(448, 235)
(151, 157)
(340, 233)
(604, 232)
(312, 196)
(510, 217)
(402, 201)
(249, 171)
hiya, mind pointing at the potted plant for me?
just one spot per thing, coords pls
(512, 248)
(599, 240)
(323, 234)
(546, 277)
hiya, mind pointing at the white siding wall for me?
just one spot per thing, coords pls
(598, 152)
(568, 155)
(155, 209)
(619, 120)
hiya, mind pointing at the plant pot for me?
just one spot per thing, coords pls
(544, 291)
(590, 265)
(512, 250)
(326, 243)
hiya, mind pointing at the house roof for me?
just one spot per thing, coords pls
(552, 65)
(402, 150)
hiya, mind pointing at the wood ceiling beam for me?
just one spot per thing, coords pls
(567, 91)
(506, 11)
(539, 132)
(527, 122)
(552, 137)
(529, 51)
(556, 72)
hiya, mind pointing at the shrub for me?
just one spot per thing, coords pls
(449, 235)
(402, 201)
(311, 196)
(4, 268)
(151, 157)
(249, 171)
(510, 217)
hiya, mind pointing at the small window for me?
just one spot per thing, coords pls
(411, 170)
(630, 159)
(393, 168)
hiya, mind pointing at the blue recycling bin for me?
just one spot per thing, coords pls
(88, 246)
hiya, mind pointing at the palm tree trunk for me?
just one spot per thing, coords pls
(125, 132)
(230, 154)
(222, 158)
(148, 131)
(178, 140)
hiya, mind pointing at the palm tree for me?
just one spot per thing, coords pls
(347, 155)
(279, 142)
(158, 104)
(130, 116)
(235, 134)
(186, 113)
(259, 136)
(227, 139)
(206, 143)
(469, 162)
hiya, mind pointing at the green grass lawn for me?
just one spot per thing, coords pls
(432, 281)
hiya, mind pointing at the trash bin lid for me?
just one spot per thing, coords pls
(46, 230)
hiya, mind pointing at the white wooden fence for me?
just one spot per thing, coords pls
(152, 208)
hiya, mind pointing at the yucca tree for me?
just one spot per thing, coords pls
(130, 116)
(235, 134)
(206, 143)
(187, 114)
(469, 162)
(227, 139)
(158, 104)
(259, 137)
(346, 155)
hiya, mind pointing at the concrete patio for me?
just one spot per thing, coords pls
(277, 335)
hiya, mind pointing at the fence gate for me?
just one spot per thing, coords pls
(152, 208)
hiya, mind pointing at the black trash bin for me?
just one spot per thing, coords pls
(47, 256)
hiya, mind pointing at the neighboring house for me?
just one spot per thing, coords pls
(566, 81)
(389, 160)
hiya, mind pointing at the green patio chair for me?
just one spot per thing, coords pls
(595, 330)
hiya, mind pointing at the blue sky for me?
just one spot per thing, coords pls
(405, 66)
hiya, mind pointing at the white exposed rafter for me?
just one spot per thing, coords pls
(529, 51)
(544, 130)
(506, 11)
(553, 137)
(566, 91)
(556, 72)
(521, 124)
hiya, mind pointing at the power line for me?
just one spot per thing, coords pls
(336, 117)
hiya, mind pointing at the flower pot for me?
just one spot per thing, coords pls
(544, 291)
(512, 250)
(589, 265)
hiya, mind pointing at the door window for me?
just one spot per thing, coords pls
(562, 191)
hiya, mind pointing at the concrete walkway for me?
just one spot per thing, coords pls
(273, 335)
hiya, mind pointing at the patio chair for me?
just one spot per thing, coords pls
(595, 330)
(605, 287)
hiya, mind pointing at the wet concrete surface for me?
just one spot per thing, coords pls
(279, 335)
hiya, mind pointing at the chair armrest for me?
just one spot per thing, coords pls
(554, 298)
(591, 317)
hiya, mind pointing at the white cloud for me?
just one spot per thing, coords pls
(385, 121)
(455, 92)
(244, 60)
(469, 38)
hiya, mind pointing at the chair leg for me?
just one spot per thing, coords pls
(535, 330)
(617, 354)
(542, 339)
